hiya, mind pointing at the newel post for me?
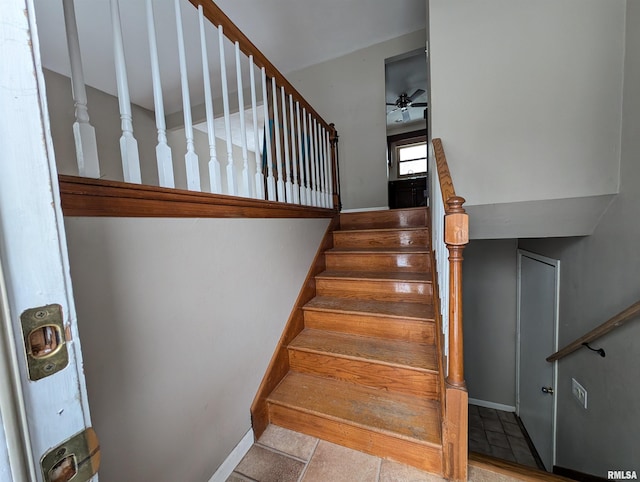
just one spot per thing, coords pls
(335, 167)
(456, 236)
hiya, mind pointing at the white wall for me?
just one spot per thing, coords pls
(179, 319)
(489, 286)
(349, 91)
(105, 117)
(599, 278)
(527, 99)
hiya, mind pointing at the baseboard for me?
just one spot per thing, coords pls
(364, 210)
(234, 458)
(497, 406)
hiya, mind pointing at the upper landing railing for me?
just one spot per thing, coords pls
(265, 142)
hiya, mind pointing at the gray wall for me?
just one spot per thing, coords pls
(105, 118)
(527, 99)
(179, 319)
(489, 285)
(349, 91)
(178, 143)
(530, 91)
(600, 277)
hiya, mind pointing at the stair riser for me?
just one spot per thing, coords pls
(375, 375)
(416, 292)
(424, 457)
(392, 218)
(385, 239)
(409, 262)
(376, 326)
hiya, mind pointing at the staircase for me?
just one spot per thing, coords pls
(364, 371)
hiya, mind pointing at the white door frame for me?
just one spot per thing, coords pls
(556, 264)
(33, 255)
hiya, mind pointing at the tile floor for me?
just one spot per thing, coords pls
(498, 433)
(282, 455)
(285, 456)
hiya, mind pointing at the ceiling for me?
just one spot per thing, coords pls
(405, 74)
(292, 33)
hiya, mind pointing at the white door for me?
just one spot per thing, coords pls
(537, 339)
(44, 400)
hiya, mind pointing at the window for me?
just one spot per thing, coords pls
(412, 159)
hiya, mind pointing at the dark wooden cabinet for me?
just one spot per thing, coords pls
(407, 193)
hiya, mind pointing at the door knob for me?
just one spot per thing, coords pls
(548, 390)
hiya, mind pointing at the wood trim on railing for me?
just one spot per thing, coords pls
(217, 17)
(620, 319)
(446, 183)
(279, 365)
(98, 197)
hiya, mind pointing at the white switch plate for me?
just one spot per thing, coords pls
(579, 393)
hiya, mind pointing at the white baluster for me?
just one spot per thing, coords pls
(301, 156)
(190, 158)
(321, 168)
(215, 178)
(294, 159)
(259, 185)
(276, 139)
(287, 160)
(307, 150)
(329, 171)
(231, 171)
(163, 151)
(325, 164)
(271, 182)
(246, 185)
(314, 161)
(83, 132)
(128, 143)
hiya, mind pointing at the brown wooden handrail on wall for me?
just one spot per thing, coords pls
(620, 319)
(455, 406)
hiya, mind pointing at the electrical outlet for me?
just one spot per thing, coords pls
(579, 392)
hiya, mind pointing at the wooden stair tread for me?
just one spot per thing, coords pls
(381, 250)
(398, 309)
(417, 356)
(400, 415)
(379, 230)
(405, 276)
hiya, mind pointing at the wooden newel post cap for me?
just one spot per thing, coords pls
(454, 205)
(456, 222)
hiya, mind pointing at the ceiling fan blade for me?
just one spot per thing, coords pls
(418, 104)
(416, 94)
(391, 103)
(405, 116)
(393, 110)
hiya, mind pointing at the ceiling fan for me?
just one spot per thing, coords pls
(404, 102)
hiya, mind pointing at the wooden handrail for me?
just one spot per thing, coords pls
(217, 17)
(446, 184)
(455, 407)
(618, 320)
(456, 237)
